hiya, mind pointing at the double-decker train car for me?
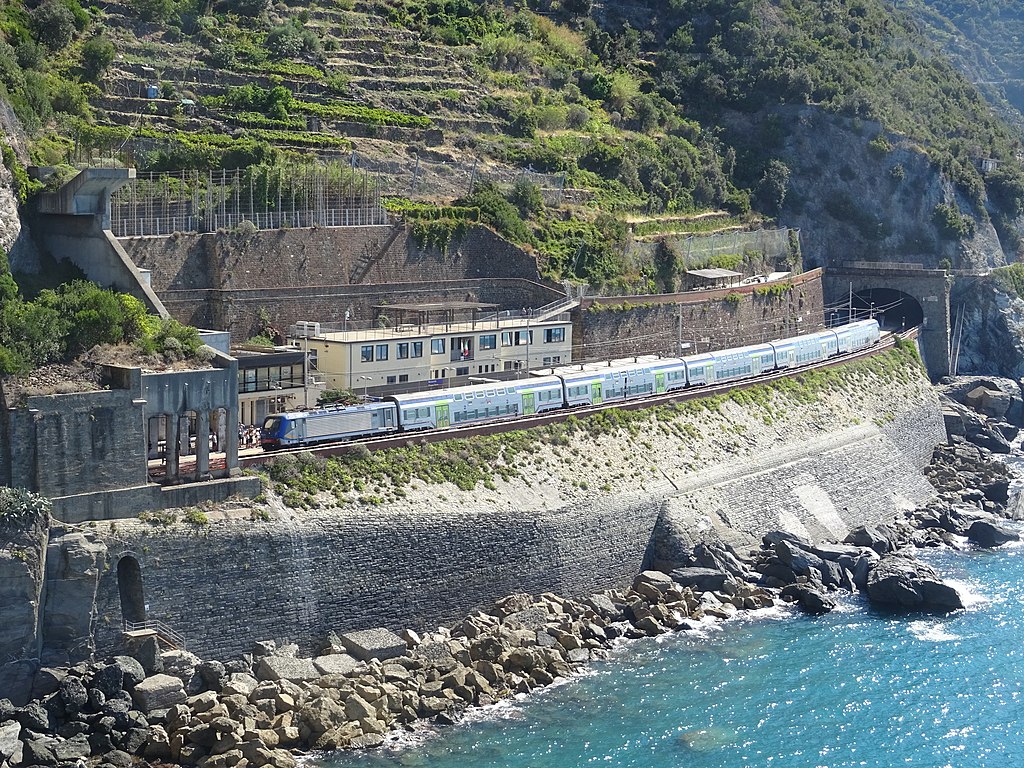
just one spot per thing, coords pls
(565, 387)
(478, 403)
(591, 384)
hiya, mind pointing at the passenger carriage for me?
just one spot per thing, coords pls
(592, 384)
(805, 349)
(857, 335)
(742, 362)
(478, 403)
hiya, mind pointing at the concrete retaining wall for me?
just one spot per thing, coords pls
(583, 516)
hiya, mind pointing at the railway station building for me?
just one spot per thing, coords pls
(415, 346)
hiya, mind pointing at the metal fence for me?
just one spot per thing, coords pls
(267, 197)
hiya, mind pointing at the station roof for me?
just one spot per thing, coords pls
(713, 273)
(437, 306)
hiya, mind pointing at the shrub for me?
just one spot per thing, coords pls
(97, 55)
(53, 24)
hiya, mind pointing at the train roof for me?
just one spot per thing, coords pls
(333, 408)
(513, 385)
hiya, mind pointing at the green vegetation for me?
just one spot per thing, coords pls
(19, 506)
(1010, 279)
(58, 325)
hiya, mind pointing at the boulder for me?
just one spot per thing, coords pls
(810, 600)
(700, 579)
(287, 668)
(74, 694)
(376, 643)
(158, 692)
(147, 653)
(132, 671)
(604, 607)
(988, 534)
(10, 744)
(876, 538)
(911, 585)
(991, 402)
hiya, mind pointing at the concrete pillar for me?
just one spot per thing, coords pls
(172, 424)
(203, 445)
(231, 443)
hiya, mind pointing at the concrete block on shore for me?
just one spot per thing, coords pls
(335, 664)
(286, 668)
(376, 643)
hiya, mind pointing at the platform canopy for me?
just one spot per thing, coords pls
(714, 273)
(445, 310)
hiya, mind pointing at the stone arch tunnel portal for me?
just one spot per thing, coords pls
(894, 309)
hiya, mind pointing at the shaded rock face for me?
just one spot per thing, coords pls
(992, 341)
(21, 577)
(906, 583)
(849, 203)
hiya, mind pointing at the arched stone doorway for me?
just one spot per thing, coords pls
(129, 586)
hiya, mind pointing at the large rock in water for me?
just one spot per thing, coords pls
(906, 583)
(988, 534)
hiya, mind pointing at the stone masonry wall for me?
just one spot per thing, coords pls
(582, 516)
(221, 280)
(76, 443)
(706, 320)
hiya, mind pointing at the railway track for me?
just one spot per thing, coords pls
(404, 439)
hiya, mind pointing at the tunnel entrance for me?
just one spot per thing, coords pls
(893, 309)
(129, 585)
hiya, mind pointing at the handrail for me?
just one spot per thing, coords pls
(170, 636)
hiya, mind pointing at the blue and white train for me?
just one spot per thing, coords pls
(566, 387)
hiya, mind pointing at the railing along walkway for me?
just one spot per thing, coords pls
(163, 632)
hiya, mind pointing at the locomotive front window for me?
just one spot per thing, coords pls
(271, 424)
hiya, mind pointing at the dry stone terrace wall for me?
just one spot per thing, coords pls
(587, 516)
(316, 274)
(622, 326)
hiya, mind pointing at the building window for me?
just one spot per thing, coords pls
(437, 346)
(403, 351)
(462, 371)
(391, 379)
(553, 335)
(366, 353)
(403, 377)
(382, 351)
(506, 338)
(523, 337)
(489, 341)
(417, 349)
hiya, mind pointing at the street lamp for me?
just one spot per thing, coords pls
(366, 380)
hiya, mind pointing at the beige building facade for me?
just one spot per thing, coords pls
(405, 356)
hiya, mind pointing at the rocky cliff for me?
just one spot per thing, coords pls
(991, 339)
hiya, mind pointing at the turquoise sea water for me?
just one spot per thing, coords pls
(855, 688)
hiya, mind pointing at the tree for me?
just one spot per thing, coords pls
(53, 24)
(97, 55)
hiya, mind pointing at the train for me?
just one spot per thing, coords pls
(570, 386)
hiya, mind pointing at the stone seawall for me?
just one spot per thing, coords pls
(585, 510)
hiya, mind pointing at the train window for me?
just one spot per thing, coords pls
(501, 391)
(458, 396)
(490, 393)
(366, 353)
